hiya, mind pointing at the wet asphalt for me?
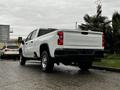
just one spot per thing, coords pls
(30, 77)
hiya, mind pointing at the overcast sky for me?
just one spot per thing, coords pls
(27, 15)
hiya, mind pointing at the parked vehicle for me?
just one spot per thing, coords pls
(10, 50)
(51, 46)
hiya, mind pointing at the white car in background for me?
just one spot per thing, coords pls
(10, 50)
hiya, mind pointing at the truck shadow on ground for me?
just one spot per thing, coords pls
(61, 69)
(66, 74)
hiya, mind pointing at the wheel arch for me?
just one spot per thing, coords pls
(43, 47)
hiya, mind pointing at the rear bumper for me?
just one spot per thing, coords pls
(10, 55)
(7, 54)
(96, 53)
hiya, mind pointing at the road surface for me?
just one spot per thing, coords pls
(30, 77)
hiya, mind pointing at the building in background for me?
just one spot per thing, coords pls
(4, 34)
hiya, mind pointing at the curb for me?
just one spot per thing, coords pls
(106, 68)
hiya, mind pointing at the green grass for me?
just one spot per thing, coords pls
(109, 61)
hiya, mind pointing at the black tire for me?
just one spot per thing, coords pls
(47, 63)
(84, 66)
(22, 60)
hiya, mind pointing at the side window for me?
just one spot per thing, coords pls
(33, 34)
(29, 37)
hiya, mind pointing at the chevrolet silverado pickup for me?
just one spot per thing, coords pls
(70, 47)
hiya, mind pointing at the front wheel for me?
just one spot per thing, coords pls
(46, 62)
(22, 60)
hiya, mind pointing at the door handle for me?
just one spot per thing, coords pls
(84, 33)
(31, 41)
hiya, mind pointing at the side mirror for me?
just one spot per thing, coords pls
(23, 42)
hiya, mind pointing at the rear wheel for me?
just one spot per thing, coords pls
(46, 62)
(22, 60)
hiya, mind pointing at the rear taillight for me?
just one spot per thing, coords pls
(103, 41)
(60, 39)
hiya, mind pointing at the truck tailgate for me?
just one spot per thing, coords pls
(83, 39)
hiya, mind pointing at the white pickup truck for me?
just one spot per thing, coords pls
(70, 47)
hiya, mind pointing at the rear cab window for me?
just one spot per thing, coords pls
(45, 31)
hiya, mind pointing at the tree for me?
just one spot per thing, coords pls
(101, 24)
(116, 31)
(95, 23)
